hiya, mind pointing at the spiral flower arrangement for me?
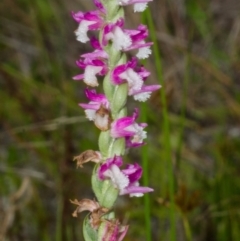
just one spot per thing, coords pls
(108, 110)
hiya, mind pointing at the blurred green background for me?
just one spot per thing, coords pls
(193, 149)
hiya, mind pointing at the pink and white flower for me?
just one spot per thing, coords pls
(126, 39)
(126, 180)
(97, 109)
(115, 33)
(93, 65)
(135, 77)
(128, 128)
(138, 5)
(126, 73)
(138, 41)
(92, 20)
(146, 90)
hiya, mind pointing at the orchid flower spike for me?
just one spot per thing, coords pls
(108, 111)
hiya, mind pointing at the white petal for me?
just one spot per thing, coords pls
(102, 122)
(121, 40)
(81, 32)
(123, 2)
(142, 96)
(90, 75)
(90, 114)
(134, 80)
(136, 194)
(136, 184)
(119, 180)
(140, 134)
(144, 52)
(139, 7)
(130, 128)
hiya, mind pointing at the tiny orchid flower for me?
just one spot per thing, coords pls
(115, 33)
(127, 127)
(92, 20)
(97, 109)
(125, 180)
(138, 5)
(146, 90)
(114, 231)
(138, 41)
(126, 73)
(92, 65)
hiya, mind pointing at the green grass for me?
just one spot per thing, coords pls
(165, 126)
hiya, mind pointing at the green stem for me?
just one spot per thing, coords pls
(187, 227)
(147, 207)
(145, 160)
(183, 112)
(58, 236)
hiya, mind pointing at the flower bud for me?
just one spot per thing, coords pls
(103, 142)
(119, 98)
